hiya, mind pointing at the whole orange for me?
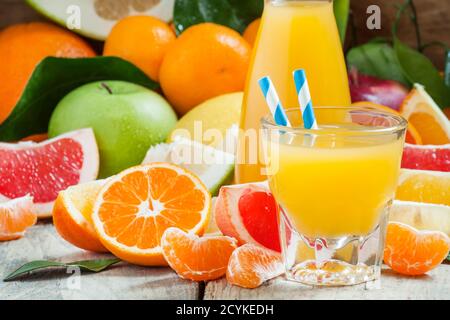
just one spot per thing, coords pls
(252, 31)
(22, 47)
(142, 40)
(205, 61)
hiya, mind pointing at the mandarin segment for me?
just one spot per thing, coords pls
(134, 209)
(193, 200)
(15, 217)
(412, 252)
(181, 218)
(138, 183)
(131, 234)
(121, 193)
(195, 258)
(161, 180)
(252, 265)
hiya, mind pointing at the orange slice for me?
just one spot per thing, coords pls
(72, 215)
(251, 265)
(134, 208)
(430, 121)
(412, 252)
(195, 258)
(412, 135)
(424, 186)
(15, 217)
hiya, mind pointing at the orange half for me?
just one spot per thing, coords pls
(72, 215)
(424, 114)
(134, 208)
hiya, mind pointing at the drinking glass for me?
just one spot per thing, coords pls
(334, 186)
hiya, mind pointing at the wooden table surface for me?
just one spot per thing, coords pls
(125, 281)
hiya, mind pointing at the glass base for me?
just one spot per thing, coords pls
(332, 273)
(346, 260)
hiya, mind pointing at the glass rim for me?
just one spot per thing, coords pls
(267, 122)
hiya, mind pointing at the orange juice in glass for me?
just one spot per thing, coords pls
(293, 35)
(334, 191)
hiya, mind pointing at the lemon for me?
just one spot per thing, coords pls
(210, 122)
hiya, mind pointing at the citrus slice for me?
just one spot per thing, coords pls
(424, 186)
(72, 215)
(424, 114)
(15, 217)
(426, 157)
(422, 216)
(195, 258)
(412, 252)
(95, 18)
(214, 167)
(251, 265)
(135, 207)
(248, 212)
(412, 135)
(215, 120)
(43, 169)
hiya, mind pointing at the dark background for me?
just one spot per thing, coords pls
(434, 19)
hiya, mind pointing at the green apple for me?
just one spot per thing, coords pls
(127, 120)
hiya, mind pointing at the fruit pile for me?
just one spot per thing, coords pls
(100, 159)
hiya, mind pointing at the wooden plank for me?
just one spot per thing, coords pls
(436, 285)
(122, 281)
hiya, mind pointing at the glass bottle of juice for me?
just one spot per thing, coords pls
(293, 34)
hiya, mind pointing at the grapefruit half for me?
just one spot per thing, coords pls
(43, 169)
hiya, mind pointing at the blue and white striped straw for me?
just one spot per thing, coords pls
(273, 101)
(304, 98)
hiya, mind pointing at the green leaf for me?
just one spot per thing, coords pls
(341, 12)
(419, 69)
(236, 14)
(377, 59)
(85, 265)
(54, 78)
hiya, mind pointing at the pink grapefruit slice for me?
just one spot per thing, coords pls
(426, 157)
(248, 212)
(43, 169)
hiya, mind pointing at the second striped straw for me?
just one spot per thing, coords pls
(304, 99)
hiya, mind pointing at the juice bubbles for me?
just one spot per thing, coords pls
(292, 35)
